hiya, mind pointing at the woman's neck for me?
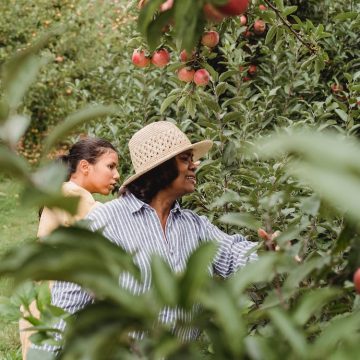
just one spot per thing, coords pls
(78, 180)
(162, 202)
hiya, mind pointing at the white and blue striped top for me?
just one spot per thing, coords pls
(135, 226)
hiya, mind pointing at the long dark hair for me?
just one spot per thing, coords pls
(89, 149)
(149, 184)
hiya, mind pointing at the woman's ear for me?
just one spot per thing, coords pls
(83, 167)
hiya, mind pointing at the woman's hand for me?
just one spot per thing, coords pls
(269, 239)
(270, 242)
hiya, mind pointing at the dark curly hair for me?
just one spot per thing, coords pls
(149, 184)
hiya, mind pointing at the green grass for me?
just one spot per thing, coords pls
(17, 226)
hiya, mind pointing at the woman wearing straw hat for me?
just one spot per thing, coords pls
(146, 219)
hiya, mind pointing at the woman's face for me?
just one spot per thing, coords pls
(186, 180)
(103, 175)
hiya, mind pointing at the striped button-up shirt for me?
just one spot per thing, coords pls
(135, 226)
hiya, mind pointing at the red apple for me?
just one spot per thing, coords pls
(336, 88)
(259, 27)
(246, 78)
(247, 33)
(234, 7)
(201, 77)
(357, 280)
(139, 59)
(186, 74)
(243, 20)
(167, 5)
(184, 56)
(252, 69)
(212, 13)
(262, 7)
(210, 38)
(160, 58)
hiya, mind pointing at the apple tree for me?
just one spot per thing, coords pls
(275, 85)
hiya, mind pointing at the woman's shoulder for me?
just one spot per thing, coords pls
(112, 206)
(69, 188)
(193, 217)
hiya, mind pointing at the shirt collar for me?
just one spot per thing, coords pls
(136, 204)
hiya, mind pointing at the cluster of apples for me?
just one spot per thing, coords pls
(187, 73)
(159, 58)
(259, 28)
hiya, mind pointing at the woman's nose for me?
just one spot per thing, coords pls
(194, 164)
(116, 175)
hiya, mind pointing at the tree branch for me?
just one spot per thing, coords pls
(312, 48)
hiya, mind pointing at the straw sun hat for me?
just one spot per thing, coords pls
(157, 142)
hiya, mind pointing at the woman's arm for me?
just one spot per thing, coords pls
(234, 251)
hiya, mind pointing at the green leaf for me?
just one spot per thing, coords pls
(50, 177)
(255, 272)
(342, 114)
(34, 354)
(289, 331)
(155, 29)
(342, 190)
(339, 329)
(164, 281)
(4, 110)
(26, 74)
(43, 298)
(190, 106)
(220, 88)
(197, 273)
(75, 120)
(188, 23)
(231, 116)
(346, 15)
(228, 74)
(20, 71)
(289, 10)
(301, 271)
(167, 102)
(280, 5)
(312, 302)
(12, 130)
(37, 197)
(147, 14)
(242, 220)
(274, 91)
(270, 34)
(226, 316)
(12, 164)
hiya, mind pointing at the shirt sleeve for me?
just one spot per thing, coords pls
(234, 251)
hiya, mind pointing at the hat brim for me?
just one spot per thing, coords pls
(200, 149)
